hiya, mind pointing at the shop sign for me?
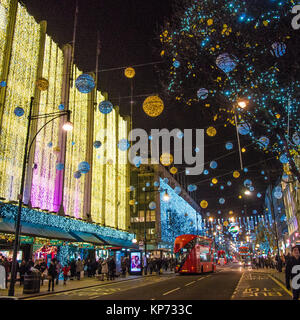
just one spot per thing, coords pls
(56, 242)
(26, 240)
(86, 246)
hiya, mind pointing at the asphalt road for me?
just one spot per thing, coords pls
(229, 283)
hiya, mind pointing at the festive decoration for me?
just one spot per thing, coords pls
(296, 138)
(173, 170)
(264, 141)
(213, 165)
(214, 181)
(129, 73)
(234, 229)
(229, 183)
(42, 84)
(278, 49)
(97, 144)
(202, 93)
(84, 167)
(50, 144)
(153, 106)
(283, 159)
(206, 172)
(278, 195)
(176, 64)
(19, 111)
(137, 161)
(244, 129)
(221, 200)
(156, 184)
(229, 146)
(152, 205)
(204, 204)
(247, 183)
(226, 62)
(123, 145)
(211, 131)
(177, 190)
(131, 202)
(85, 83)
(77, 174)
(105, 107)
(61, 107)
(236, 174)
(258, 195)
(192, 187)
(59, 166)
(166, 159)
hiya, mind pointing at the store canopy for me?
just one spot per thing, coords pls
(36, 230)
(87, 237)
(119, 242)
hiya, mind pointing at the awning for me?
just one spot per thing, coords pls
(119, 242)
(36, 230)
(87, 237)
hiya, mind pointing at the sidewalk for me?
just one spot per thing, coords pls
(273, 272)
(72, 285)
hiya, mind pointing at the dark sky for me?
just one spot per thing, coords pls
(129, 31)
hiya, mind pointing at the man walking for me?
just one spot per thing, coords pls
(292, 271)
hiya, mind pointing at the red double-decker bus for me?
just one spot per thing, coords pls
(194, 254)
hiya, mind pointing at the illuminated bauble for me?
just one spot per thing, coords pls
(236, 174)
(77, 174)
(221, 200)
(278, 49)
(278, 195)
(229, 146)
(213, 165)
(229, 183)
(166, 180)
(211, 131)
(204, 204)
(202, 93)
(226, 62)
(131, 202)
(56, 149)
(258, 195)
(177, 190)
(97, 144)
(283, 159)
(50, 145)
(156, 184)
(254, 211)
(61, 107)
(230, 212)
(246, 170)
(85, 83)
(137, 161)
(42, 84)
(278, 189)
(247, 183)
(176, 64)
(264, 141)
(153, 106)
(84, 167)
(197, 150)
(152, 205)
(214, 181)
(123, 145)
(128, 189)
(73, 143)
(222, 187)
(59, 166)
(262, 172)
(244, 128)
(296, 138)
(207, 214)
(148, 184)
(129, 73)
(206, 172)
(173, 170)
(2, 84)
(251, 188)
(166, 159)
(105, 107)
(225, 224)
(180, 134)
(192, 187)
(219, 211)
(234, 229)
(131, 188)
(19, 111)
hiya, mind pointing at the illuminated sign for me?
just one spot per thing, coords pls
(135, 262)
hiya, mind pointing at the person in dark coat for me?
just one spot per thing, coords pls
(52, 274)
(72, 269)
(290, 272)
(111, 268)
(22, 270)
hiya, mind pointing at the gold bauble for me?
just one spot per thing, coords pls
(225, 224)
(236, 174)
(129, 73)
(153, 106)
(131, 202)
(42, 84)
(173, 170)
(214, 181)
(166, 159)
(204, 204)
(211, 131)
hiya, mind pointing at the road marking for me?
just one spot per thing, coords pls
(188, 284)
(281, 285)
(235, 290)
(170, 291)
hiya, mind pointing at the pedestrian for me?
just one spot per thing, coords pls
(52, 273)
(79, 268)
(22, 271)
(112, 268)
(58, 270)
(290, 272)
(101, 276)
(43, 268)
(105, 269)
(73, 269)
(66, 270)
(123, 266)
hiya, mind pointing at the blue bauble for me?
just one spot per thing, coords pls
(226, 62)
(246, 170)
(222, 187)
(278, 195)
(176, 64)
(264, 141)
(180, 134)
(61, 107)
(206, 172)
(258, 195)
(197, 150)
(123, 145)
(177, 190)
(213, 165)
(50, 144)
(244, 128)
(296, 138)
(105, 107)
(156, 184)
(229, 146)
(148, 184)
(202, 93)
(283, 158)
(59, 166)
(152, 205)
(137, 160)
(219, 212)
(3, 84)
(166, 180)
(247, 183)
(85, 83)
(84, 167)
(229, 183)
(221, 200)
(19, 111)
(97, 144)
(278, 49)
(77, 174)
(254, 211)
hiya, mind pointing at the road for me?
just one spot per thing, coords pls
(228, 283)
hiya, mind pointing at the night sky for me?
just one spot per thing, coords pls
(129, 32)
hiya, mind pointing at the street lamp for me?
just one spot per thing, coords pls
(67, 127)
(166, 197)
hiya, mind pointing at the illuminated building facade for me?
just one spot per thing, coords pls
(180, 215)
(98, 197)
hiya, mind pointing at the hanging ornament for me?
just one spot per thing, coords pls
(229, 183)
(77, 174)
(137, 161)
(3, 84)
(251, 188)
(173, 170)
(214, 181)
(229, 146)
(176, 64)
(206, 172)
(97, 144)
(177, 190)
(59, 166)
(213, 165)
(56, 150)
(42, 84)
(244, 128)
(105, 107)
(129, 73)
(278, 49)
(192, 187)
(211, 131)
(152, 205)
(247, 183)
(166, 180)
(283, 159)
(230, 212)
(85, 83)
(202, 93)
(19, 111)
(236, 174)
(123, 145)
(221, 200)
(61, 107)
(153, 106)
(246, 170)
(204, 204)
(278, 195)
(156, 184)
(166, 159)
(131, 202)
(226, 62)
(264, 141)
(50, 144)
(258, 195)
(225, 224)
(234, 229)
(180, 134)
(254, 211)
(296, 138)
(84, 167)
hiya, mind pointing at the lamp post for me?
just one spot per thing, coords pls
(67, 127)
